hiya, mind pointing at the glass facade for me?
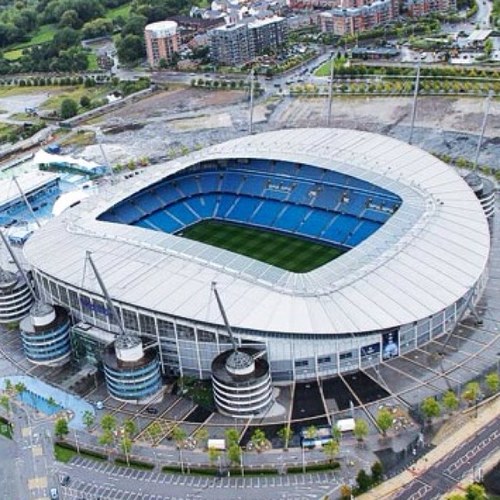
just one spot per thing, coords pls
(188, 348)
(49, 345)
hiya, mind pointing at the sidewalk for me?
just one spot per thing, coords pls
(393, 485)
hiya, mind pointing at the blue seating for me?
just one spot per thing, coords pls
(188, 186)
(300, 193)
(267, 213)
(202, 205)
(328, 198)
(254, 185)
(149, 203)
(376, 215)
(272, 194)
(316, 222)
(164, 222)
(209, 182)
(127, 213)
(242, 210)
(363, 231)
(224, 203)
(182, 213)
(166, 193)
(291, 218)
(231, 182)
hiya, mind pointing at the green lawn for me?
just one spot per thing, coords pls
(5, 428)
(63, 454)
(12, 55)
(122, 10)
(287, 252)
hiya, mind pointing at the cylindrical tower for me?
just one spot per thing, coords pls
(132, 375)
(241, 382)
(45, 335)
(484, 189)
(15, 297)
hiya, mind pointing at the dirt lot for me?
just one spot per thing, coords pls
(171, 121)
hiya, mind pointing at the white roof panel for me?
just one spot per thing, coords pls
(429, 253)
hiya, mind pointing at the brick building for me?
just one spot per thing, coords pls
(162, 41)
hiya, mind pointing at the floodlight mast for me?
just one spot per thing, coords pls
(224, 316)
(105, 293)
(18, 265)
(27, 203)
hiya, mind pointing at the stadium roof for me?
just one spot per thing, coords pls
(424, 258)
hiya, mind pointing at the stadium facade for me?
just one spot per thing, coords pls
(415, 240)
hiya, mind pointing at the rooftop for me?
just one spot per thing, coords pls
(427, 256)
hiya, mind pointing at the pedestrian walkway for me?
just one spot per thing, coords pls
(389, 488)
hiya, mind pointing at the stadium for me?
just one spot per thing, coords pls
(332, 250)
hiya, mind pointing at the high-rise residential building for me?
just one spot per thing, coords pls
(237, 44)
(162, 41)
(230, 45)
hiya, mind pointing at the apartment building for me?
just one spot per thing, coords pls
(237, 44)
(162, 41)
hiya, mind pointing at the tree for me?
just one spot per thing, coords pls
(232, 436)
(130, 49)
(20, 387)
(201, 436)
(345, 492)
(85, 101)
(285, 433)
(331, 449)
(377, 472)
(258, 438)
(108, 423)
(213, 455)
(155, 430)
(234, 453)
(70, 19)
(178, 435)
(492, 382)
(311, 432)
(129, 427)
(61, 428)
(51, 401)
(488, 47)
(8, 385)
(69, 108)
(471, 392)
(88, 419)
(336, 433)
(450, 401)
(364, 481)
(384, 420)
(475, 492)
(106, 438)
(5, 401)
(430, 408)
(360, 429)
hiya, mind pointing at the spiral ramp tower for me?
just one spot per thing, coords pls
(45, 335)
(241, 378)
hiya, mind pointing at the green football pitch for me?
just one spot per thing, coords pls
(287, 252)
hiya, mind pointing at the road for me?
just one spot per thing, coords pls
(93, 479)
(27, 462)
(447, 473)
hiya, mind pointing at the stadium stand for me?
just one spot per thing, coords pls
(287, 197)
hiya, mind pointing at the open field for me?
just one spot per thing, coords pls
(286, 252)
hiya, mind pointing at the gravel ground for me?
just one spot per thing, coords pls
(193, 118)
